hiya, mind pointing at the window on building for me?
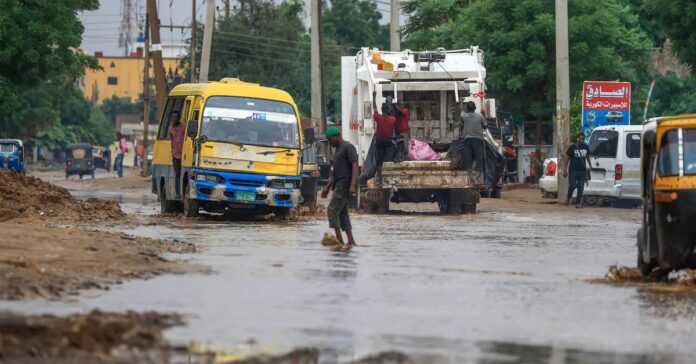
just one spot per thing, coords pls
(112, 81)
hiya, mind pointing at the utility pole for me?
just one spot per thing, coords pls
(146, 98)
(156, 55)
(318, 117)
(562, 96)
(194, 29)
(207, 40)
(394, 36)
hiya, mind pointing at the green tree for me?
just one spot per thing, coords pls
(39, 41)
(678, 20)
(362, 29)
(519, 40)
(673, 95)
(246, 47)
(120, 105)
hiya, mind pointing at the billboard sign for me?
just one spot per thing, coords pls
(605, 103)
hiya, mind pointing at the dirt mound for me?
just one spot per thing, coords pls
(52, 262)
(94, 337)
(22, 195)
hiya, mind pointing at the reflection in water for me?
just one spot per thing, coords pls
(424, 289)
(677, 305)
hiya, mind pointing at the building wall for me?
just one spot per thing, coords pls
(121, 76)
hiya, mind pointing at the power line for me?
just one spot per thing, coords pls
(293, 42)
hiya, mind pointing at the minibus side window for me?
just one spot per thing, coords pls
(689, 152)
(173, 103)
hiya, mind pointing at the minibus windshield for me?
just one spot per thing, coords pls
(244, 120)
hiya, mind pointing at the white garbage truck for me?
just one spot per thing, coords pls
(432, 84)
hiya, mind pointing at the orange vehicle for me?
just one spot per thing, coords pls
(667, 237)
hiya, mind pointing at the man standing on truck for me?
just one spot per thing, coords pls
(343, 182)
(473, 126)
(402, 130)
(385, 124)
(578, 154)
(176, 133)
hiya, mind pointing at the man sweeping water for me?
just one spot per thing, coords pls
(343, 182)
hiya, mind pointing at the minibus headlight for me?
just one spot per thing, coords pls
(279, 183)
(207, 178)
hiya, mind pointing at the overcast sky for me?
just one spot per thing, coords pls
(102, 26)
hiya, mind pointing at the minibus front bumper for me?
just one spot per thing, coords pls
(245, 188)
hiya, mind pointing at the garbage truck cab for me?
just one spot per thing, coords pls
(241, 150)
(432, 84)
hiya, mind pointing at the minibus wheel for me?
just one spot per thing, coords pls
(190, 204)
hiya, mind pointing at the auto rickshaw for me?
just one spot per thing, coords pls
(79, 160)
(12, 155)
(667, 237)
(102, 157)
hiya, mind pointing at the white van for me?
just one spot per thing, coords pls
(615, 155)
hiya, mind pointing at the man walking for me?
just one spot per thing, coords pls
(343, 182)
(473, 126)
(576, 169)
(177, 133)
(402, 130)
(121, 150)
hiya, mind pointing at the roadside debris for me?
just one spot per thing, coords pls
(96, 337)
(675, 281)
(331, 241)
(27, 196)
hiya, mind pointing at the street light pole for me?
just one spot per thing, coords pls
(562, 97)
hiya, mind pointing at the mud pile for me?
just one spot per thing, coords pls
(91, 338)
(682, 280)
(27, 196)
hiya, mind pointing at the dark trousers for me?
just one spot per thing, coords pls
(118, 165)
(576, 179)
(338, 208)
(177, 174)
(473, 153)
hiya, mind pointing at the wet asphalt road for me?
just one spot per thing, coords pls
(498, 286)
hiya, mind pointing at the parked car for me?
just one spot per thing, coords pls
(548, 183)
(615, 173)
(12, 155)
(613, 116)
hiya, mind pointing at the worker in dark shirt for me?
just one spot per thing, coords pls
(576, 169)
(343, 182)
(473, 130)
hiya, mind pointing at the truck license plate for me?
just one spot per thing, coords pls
(245, 196)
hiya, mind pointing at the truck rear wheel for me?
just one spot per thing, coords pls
(376, 201)
(449, 203)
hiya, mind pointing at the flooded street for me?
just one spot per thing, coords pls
(508, 284)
